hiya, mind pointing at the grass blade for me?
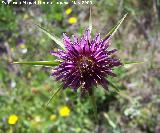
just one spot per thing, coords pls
(111, 123)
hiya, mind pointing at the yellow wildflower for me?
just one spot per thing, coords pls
(25, 16)
(12, 119)
(72, 20)
(12, 49)
(22, 46)
(37, 119)
(29, 74)
(53, 117)
(78, 130)
(64, 111)
(68, 11)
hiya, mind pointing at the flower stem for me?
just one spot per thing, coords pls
(93, 101)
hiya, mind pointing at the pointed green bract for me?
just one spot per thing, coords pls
(117, 89)
(115, 28)
(53, 37)
(54, 63)
(130, 64)
(41, 63)
(90, 20)
(54, 94)
(125, 64)
(134, 63)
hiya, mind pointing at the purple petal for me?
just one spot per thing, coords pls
(75, 38)
(66, 40)
(87, 35)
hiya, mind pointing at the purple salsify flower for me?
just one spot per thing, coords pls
(85, 63)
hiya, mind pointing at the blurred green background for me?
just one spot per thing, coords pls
(24, 90)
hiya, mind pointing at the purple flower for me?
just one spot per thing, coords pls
(85, 63)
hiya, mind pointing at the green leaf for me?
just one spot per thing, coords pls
(41, 63)
(52, 36)
(115, 28)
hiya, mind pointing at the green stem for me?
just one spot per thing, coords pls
(93, 100)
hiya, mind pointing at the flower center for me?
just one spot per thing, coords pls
(85, 64)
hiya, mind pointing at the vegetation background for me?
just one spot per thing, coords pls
(25, 89)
